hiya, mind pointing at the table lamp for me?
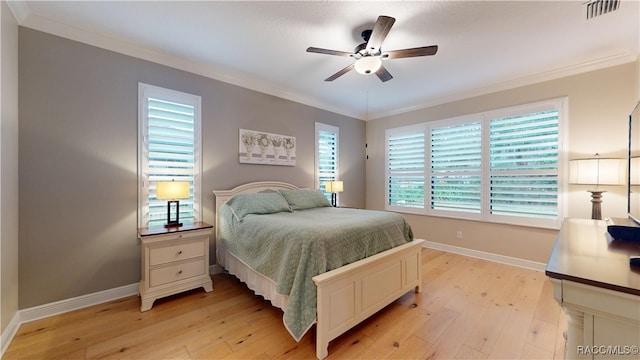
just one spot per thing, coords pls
(597, 171)
(172, 191)
(334, 187)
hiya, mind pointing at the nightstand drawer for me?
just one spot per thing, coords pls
(167, 274)
(165, 254)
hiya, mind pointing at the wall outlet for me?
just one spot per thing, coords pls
(459, 234)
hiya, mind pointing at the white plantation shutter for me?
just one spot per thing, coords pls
(405, 168)
(501, 166)
(169, 150)
(326, 155)
(524, 165)
(456, 167)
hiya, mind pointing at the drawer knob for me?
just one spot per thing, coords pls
(180, 252)
(179, 272)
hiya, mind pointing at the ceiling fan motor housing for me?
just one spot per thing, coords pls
(361, 49)
(366, 35)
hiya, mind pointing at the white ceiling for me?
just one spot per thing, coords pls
(483, 46)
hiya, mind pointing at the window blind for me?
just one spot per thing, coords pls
(171, 144)
(456, 160)
(524, 165)
(405, 169)
(326, 156)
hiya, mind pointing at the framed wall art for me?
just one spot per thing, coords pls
(258, 147)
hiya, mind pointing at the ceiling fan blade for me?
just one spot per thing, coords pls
(339, 73)
(413, 52)
(380, 32)
(328, 52)
(383, 74)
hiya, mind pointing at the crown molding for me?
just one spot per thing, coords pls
(25, 18)
(19, 9)
(602, 63)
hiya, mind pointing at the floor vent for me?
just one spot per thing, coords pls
(601, 7)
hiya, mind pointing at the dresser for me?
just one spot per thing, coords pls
(173, 260)
(598, 290)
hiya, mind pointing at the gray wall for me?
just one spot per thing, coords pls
(599, 105)
(78, 160)
(8, 168)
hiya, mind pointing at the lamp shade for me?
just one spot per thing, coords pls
(597, 171)
(172, 190)
(334, 186)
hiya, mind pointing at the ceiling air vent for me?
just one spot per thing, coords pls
(601, 7)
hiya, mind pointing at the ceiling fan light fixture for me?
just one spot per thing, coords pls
(368, 65)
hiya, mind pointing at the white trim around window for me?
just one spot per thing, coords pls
(169, 148)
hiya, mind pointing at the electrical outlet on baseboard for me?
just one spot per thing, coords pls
(459, 234)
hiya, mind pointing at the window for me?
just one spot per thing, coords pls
(405, 167)
(523, 165)
(326, 155)
(500, 166)
(456, 167)
(168, 149)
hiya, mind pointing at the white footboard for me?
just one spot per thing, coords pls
(352, 293)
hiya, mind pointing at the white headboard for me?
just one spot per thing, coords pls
(254, 187)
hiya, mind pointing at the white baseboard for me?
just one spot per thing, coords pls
(527, 264)
(215, 269)
(79, 302)
(9, 333)
(62, 306)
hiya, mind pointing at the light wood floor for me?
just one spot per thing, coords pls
(468, 309)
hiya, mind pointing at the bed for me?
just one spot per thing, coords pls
(314, 284)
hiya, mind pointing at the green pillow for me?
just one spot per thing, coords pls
(258, 203)
(304, 198)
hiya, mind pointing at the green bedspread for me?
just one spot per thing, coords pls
(292, 247)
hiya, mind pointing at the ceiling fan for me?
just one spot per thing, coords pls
(368, 55)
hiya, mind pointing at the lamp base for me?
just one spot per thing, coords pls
(172, 224)
(596, 200)
(176, 222)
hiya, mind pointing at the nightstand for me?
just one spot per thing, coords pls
(174, 259)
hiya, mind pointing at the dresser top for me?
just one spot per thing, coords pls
(159, 230)
(585, 253)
